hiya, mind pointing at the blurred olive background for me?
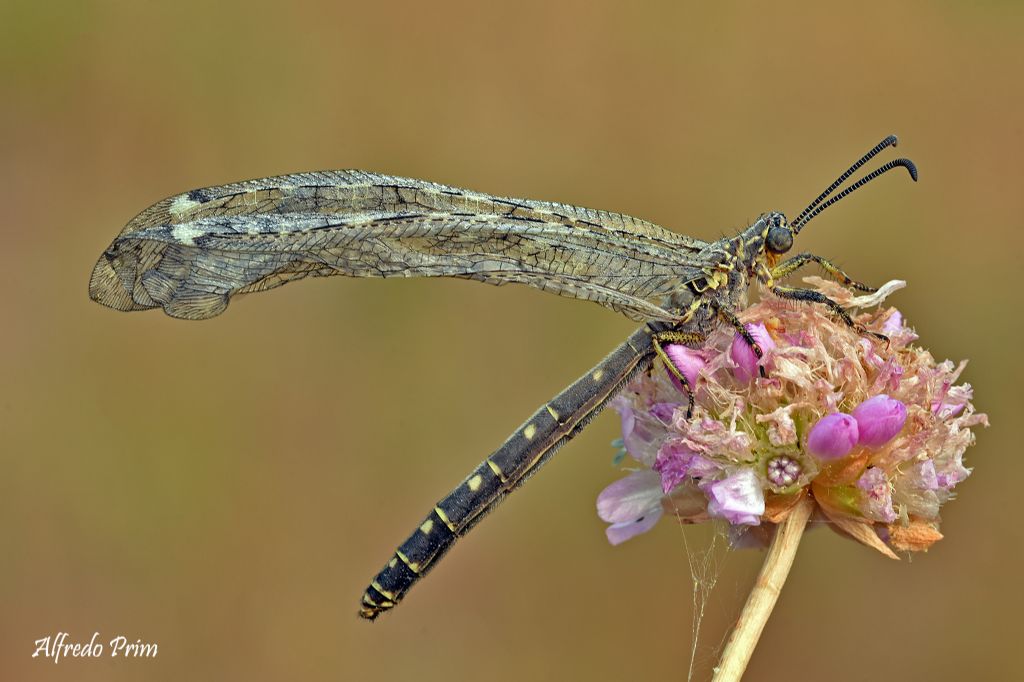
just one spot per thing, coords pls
(226, 489)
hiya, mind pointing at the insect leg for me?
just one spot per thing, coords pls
(811, 296)
(741, 329)
(659, 340)
(525, 451)
(790, 265)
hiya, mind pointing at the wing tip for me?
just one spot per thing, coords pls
(108, 289)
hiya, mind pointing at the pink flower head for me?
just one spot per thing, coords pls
(743, 355)
(879, 419)
(833, 436)
(737, 498)
(872, 432)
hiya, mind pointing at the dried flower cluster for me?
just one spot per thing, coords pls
(874, 431)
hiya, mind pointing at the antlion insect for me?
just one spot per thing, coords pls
(190, 253)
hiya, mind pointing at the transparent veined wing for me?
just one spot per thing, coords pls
(190, 253)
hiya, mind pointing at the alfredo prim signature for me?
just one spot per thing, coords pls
(60, 646)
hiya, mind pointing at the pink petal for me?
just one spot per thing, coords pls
(743, 355)
(664, 412)
(952, 401)
(677, 463)
(877, 501)
(626, 415)
(925, 476)
(950, 472)
(893, 324)
(630, 498)
(618, 533)
(688, 361)
(737, 498)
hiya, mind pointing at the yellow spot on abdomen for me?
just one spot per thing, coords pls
(427, 526)
(497, 470)
(444, 518)
(413, 566)
(474, 483)
(596, 376)
(387, 595)
(530, 431)
(551, 411)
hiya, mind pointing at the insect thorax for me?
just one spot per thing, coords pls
(730, 265)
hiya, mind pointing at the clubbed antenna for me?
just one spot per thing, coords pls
(905, 163)
(817, 206)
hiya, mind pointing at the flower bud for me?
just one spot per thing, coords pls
(743, 355)
(833, 436)
(879, 419)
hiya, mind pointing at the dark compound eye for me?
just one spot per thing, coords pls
(780, 239)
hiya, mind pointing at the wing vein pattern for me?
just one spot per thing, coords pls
(190, 253)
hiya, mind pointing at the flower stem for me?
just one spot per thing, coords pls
(764, 594)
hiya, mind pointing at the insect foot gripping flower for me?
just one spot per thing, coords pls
(873, 432)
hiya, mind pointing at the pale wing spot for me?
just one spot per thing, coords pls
(427, 526)
(182, 205)
(530, 431)
(474, 483)
(596, 376)
(186, 233)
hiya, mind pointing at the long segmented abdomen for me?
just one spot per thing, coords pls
(507, 468)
